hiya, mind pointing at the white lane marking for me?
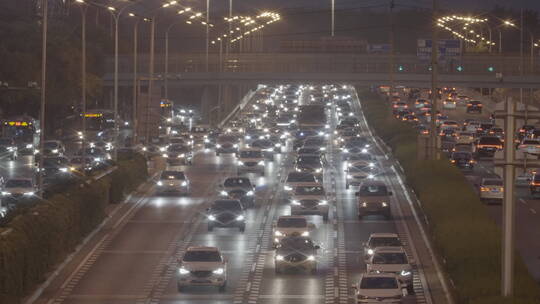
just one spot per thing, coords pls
(523, 201)
(533, 211)
(248, 287)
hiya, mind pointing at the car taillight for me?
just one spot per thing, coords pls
(484, 189)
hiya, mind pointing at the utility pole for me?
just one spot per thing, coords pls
(83, 85)
(135, 91)
(333, 17)
(434, 92)
(207, 30)
(43, 85)
(151, 80)
(392, 53)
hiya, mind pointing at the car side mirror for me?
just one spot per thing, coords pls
(390, 193)
(404, 292)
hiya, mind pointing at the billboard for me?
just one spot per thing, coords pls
(448, 49)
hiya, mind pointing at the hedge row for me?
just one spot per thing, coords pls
(463, 233)
(35, 242)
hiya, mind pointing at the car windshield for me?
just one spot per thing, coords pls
(236, 182)
(390, 258)
(309, 151)
(373, 190)
(360, 168)
(18, 183)
(309, 190)
(202, 256)
(229, 139)
(363, 156)
(178, 148)
(54, 161)
(378, 283)
(493, 182)
(171, 175)
(227, 205)
(490, 141)
(305, 133)
(300, 177)
(384, 242)
(314, 142)
(288, 222)
(251, 154)
(262, 143)
(176, 141)
(297, 243)
(309, 160)
(50, 145)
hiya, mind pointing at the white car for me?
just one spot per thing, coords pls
(310, 200)
(465, 137)
(250, 160)
(491, 190)
(173, 182)
(202, 266)
(16, 188)
(377, 240)
(290, 225)
(531, 146)
(379, 288)
(449, 104)
(392, 260)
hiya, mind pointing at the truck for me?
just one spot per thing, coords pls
(312, 117)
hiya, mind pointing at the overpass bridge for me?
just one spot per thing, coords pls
(479, 71)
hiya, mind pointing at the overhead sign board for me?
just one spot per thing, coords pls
(448, 49)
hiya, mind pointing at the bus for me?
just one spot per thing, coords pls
(99, 123)
(24, 130)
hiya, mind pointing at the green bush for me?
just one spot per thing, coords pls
(463, 233)
(41, 236)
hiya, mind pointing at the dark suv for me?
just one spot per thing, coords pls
(226, 213)
(474, 106)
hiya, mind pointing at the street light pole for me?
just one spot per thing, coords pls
(151, 74)
(333, 17)
(500, 41)
(434, 91)
(391, 70)
(115, 150)
(207, 31)
(83, 8)
(135, 66)
(44, 25)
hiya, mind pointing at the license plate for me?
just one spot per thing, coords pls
(495, 190)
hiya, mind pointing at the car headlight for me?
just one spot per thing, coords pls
(364, 150)
(223, 193)
(261, 163)
(211, 217)
(349, 176)
(370, 251)
(235, 146)
(305, 233)
(54, 151)
(181, 155)
(240, 218)
(364, 204)
(345, 150)
(321, 133)
(240, 163)
(371, 176)
(162, 149)
(278, 233)
(327, 126)
(218, 271)
(295, 202)
(30, 193)
(287, 188)
(165, 155)
(322, 148)
(183, 271)
(218, 146)
(206, 140)
(318, 170)
(278, 145)
(29, 146)
(250, 193)
(405, 273)
(144, 148)
(279, 257)
(6, 193)
(160, 183)
(323, 202)
(311, 258)
(184, 183)
(384, 204)
(248, 137)
(64, 169)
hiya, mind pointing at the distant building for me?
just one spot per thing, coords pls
(324, 45)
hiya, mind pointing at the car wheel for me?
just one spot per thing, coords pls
(217, 153)
(360, 217)
(210, 227)
(242, 228)
(410, 289)
(278, 270)
(223, 287)
(347, 186)
(314, 270)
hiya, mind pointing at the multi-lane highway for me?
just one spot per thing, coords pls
(134, 257)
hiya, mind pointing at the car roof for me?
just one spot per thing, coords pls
(383, 234)
(379, 275)
(202, 248)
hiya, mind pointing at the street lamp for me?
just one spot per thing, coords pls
(83, 9)
(43, 85)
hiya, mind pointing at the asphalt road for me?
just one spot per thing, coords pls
(133, 258)
(527, 214)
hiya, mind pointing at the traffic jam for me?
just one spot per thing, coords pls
(308, 148)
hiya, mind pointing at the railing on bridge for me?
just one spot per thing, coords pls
(333, 63)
